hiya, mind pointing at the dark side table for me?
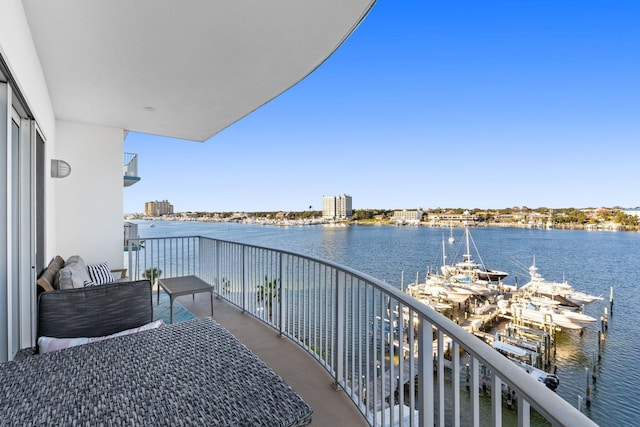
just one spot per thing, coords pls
(183, 285)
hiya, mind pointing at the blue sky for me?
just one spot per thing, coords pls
(471, 104)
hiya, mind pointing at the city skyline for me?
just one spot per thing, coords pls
(321, 209)
(427, 104)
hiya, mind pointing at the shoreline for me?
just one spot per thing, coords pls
(378, 223)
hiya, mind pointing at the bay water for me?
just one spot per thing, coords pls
(591, 261)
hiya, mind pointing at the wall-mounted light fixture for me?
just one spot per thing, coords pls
(60, 169)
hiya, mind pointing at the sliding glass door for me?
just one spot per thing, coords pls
(18, 219)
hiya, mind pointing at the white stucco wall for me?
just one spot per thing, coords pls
(83, 212)
(89, 201)
(18, 51)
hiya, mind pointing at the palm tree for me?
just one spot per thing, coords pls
(268, 292)
(152, 274)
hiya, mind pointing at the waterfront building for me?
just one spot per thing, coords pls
(465, 218)
(158, 208)
(337, 207)
(404, 216)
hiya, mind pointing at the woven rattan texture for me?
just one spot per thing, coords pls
(94, 311)
(190, 373)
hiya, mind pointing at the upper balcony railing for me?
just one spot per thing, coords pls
(130, 169)
(385, 349)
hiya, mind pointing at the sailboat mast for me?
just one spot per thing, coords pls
(444, 255)
(466, 232)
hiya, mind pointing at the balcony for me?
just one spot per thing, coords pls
(131, 234)
(130, 169)
(379, 347)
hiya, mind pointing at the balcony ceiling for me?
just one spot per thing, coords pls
(184, 69)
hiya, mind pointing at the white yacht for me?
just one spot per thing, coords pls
(437, 287)
(558, 291)
(543, 314)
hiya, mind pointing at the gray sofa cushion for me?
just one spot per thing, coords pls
(94, 311)
(74, 274)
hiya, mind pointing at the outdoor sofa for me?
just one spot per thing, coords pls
(190, 373)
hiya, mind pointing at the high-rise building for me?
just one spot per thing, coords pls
(337, 207)
(157, 208)
(328, 207)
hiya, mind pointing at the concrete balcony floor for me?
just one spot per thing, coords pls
(294, 365)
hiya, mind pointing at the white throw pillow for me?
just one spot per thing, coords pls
(48, 344)
(100, 273)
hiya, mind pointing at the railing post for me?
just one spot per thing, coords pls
(216, 273)
(130, 259)
(475, 392)
(524, 412)
(132, 168)
(281, 295)
(198, 248)
(496, 400)
(338, 333)
(425, 373)
(440, 378)
(245, 290)
(456, 384)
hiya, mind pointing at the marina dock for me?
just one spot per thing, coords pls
(528, 343)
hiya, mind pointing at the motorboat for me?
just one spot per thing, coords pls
(544, 314)
(490, 275)
(550, 380)
(477, 288)
(558, 291)
(434, 304)
(437, 287)
(515, 353)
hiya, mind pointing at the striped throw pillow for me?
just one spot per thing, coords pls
(100, 273)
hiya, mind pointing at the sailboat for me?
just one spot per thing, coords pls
(469, 270)
(451, 239)
(463, 286)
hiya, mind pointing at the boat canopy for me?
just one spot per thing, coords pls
(509, 348)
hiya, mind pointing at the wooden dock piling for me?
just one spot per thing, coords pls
(611, 300)
(588, 394)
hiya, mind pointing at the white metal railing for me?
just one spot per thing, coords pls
(130, 232)
(385, 349)
(130, 164)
